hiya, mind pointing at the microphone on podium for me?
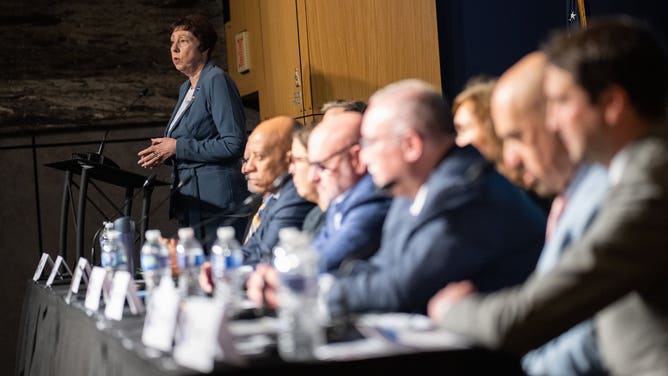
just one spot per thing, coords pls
(97, 157)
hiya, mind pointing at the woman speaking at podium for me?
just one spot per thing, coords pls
(205, 137)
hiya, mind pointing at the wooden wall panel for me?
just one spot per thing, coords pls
(357, 46)
(245, 15)
(280, 94)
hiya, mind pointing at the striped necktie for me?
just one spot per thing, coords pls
(255, 223)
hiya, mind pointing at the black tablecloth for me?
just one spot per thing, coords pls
(56, 338)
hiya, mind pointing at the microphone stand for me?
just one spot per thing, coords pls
(97, 157)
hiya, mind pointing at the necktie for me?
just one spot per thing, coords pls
(255, 223)
(557, 208)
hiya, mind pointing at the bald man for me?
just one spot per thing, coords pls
(266, 162)
(356, 209)
(518, 109)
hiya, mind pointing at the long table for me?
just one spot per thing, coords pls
(56, 338)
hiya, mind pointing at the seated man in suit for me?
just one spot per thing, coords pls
(316, 217)
(518, 109)
(356, 210)
(606, 87)
(452, 217)
(267, 158)
(266, 161)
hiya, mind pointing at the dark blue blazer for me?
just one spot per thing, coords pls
(353, 226)
(286, 208)
(210, 140)
(474, 225)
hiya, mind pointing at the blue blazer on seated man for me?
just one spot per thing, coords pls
(353, 226)
(284, 208)
(467, 222)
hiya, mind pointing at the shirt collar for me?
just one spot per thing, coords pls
(418, 202)
(617, 166)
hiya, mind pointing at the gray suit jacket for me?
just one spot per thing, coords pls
(574, 352)
(617, 271)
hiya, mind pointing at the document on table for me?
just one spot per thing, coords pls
(393, 333)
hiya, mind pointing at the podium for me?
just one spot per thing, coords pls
(106, 172)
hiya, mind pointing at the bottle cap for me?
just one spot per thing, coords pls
(114, 234)
(226, 232)
(186, 233)
(153, 235)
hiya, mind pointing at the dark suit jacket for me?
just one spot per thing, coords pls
(353, 227)
(474, 224)
(286, 208)
(617, 269)
(210, 140)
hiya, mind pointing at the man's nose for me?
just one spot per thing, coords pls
(313, 174)
(511, 157)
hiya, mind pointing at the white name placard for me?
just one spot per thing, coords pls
(46, 258)
(162, 308)
(198, 324)
(119, 288)
(55, 271)
(122, 286)
(81, 272)
(97, 281)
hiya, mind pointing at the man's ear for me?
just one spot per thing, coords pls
(412, 145)
(356, 159)
(613, 100)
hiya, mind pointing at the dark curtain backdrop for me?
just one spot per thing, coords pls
(488, 36)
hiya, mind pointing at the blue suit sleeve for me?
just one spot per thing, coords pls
(358, 237)
(402, 283)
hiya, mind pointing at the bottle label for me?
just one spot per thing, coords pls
(218, 265)
(149, 262)
(198, 260)
(164, 262)
(182, 260)
(233, 261)
(107, 260)
(295, 283)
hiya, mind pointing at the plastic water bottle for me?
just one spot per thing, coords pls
(104, 235)
(190, 256)
(154, 260)
(113, 256)
(226, 258)
(126, 227)
(300, 330)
